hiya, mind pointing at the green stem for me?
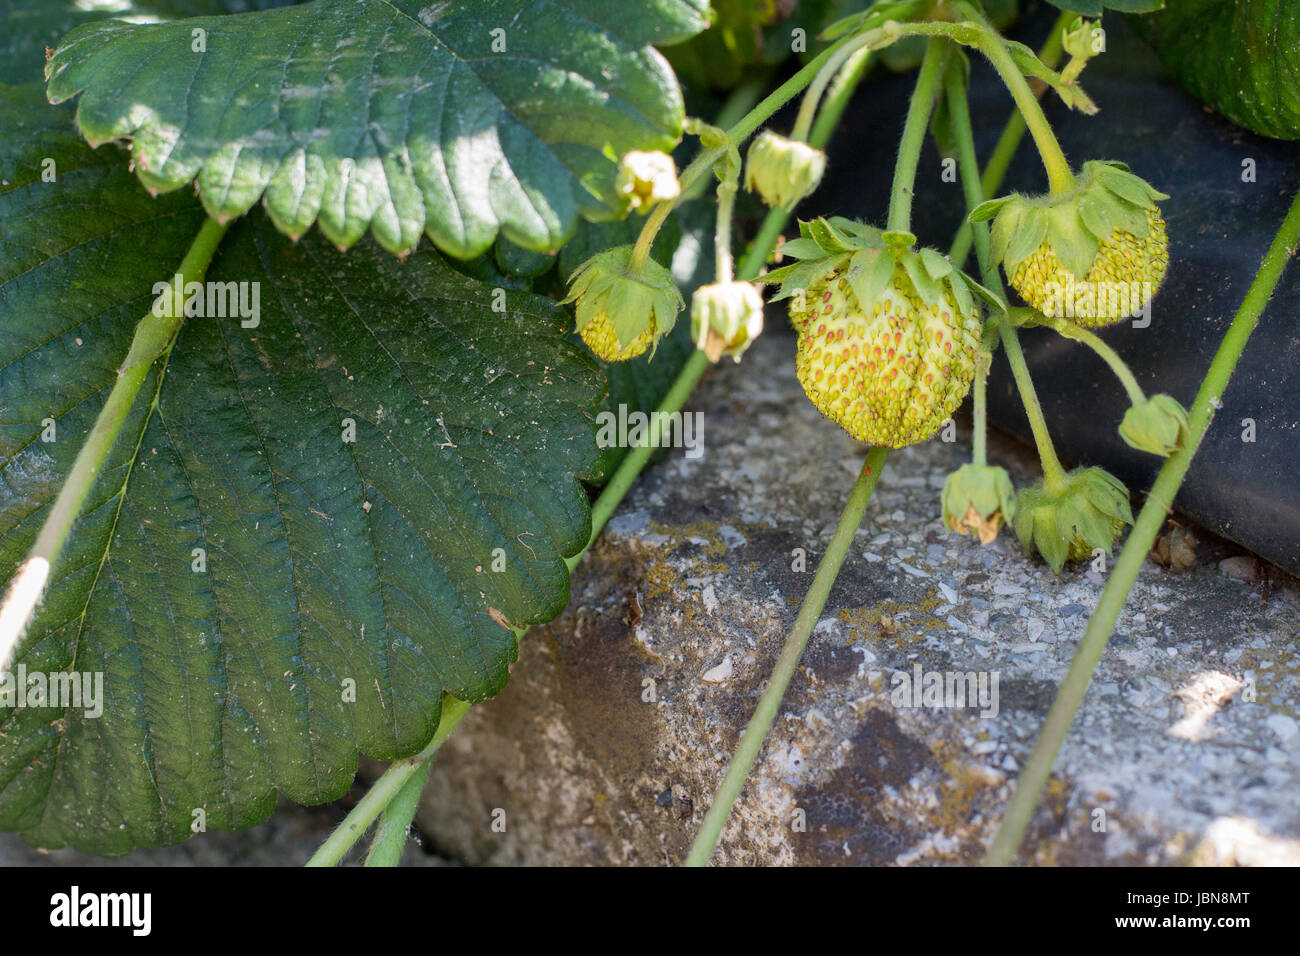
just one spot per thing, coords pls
(385, 789)
(808, 108)
(841, 92)
(1008, 142)
(968, 165)
(395, 822)
(637, 458)
(722, 261)
(837, 100)
(740, 102)
(153, 339)
(975, 192)
(979, 410)
(764, 241)
(1060, 178)
(918, 120)
(1140, 541)
(736, 135)
(1053, 473)
(814, 601)
(1071, 330)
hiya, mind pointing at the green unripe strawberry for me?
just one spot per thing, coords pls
(1088, 511)
(601, 338)
(622, 310)
(1095, 254)
(887, 335)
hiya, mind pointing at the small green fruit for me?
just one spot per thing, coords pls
(1088, 512)
(888, 335)
(622, 310)
(1096, 254)
(1158, 425)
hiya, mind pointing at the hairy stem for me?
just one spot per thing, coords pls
(969, 169)
(1012, 133)
(979, 410)
(385, 789)
(1060, 178)
(1149, 521)
(395, 822)
(739, 102)
(1053, 473)
(909, 149)
(153, 339)
(837, 100)
(1072, 330)
(722, 261)
(968, 165)
(737, 134)
(814, 601)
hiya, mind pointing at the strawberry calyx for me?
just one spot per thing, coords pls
(621, 310)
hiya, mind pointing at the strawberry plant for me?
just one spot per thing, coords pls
(309, 314)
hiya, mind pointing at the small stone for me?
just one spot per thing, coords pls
(1282, 725)
(719, 674)
(1241, 567)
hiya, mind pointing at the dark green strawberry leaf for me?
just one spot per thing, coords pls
(1243, 59)
(402, 117)
(1094, 8)
(720, 56)
(32, 26)
(263, 596)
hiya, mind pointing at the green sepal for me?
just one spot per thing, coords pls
(628, 307)
(1027, 239)
(937, 264)
(960, 292)
(1074, 245)
(992, 298)
(1005, 226)
(607, 283)
(874, 269)
(925, 287)
(1084, 515)
(1098, 216)
(899, 238)
(1158, 425)
(802, 248)
(802, 275)
(989, 208)
(831, 240)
